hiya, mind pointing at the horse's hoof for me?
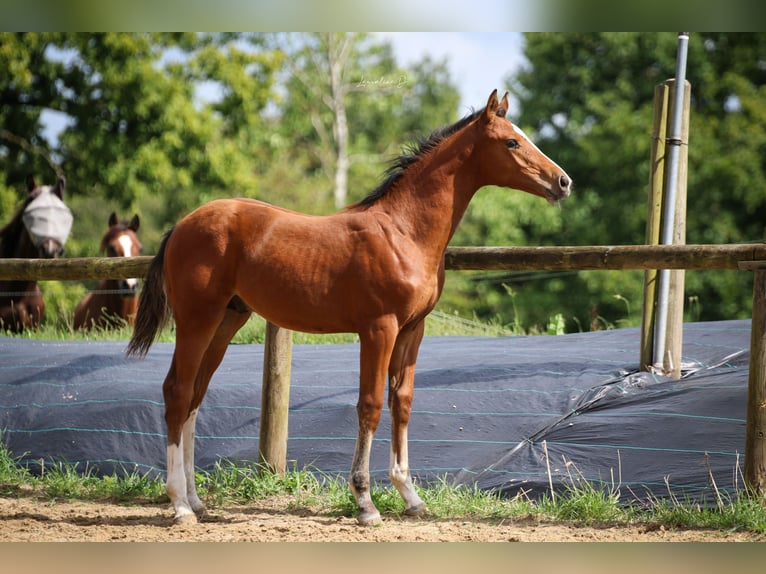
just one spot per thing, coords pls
(184, 519)
(369, 519)
(417, 510)
(200, 511)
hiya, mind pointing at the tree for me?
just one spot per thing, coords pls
(137, 136)
(587, 101)
(27, 87)
(605, 143)
(347, 103)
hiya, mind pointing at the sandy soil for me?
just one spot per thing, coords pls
(277, 519)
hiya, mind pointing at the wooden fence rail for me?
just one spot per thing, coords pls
(751, 257)
(601, 257)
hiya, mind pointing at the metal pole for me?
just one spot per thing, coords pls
(671, 186)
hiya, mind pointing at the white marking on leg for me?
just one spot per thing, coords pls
(176, 483)
(399, 472)
(188, 446)
(359, 481)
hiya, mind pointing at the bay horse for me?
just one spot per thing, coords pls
(375, 269)
(113, 302)
(39, 229)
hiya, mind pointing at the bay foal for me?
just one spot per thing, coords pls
(376, 269)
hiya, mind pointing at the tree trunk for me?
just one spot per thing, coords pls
(338, 47)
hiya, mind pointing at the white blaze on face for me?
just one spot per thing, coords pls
(530, 142)
(127, 251)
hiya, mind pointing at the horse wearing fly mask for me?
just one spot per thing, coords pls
(39, 229)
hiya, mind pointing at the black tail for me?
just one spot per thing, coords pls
(153, 307)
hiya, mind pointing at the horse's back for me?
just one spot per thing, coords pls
(247, 227)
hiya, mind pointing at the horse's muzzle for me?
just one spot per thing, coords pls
(128, 287)
(50, 249)
(561, 190)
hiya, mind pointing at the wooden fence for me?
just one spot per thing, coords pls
(276, 372)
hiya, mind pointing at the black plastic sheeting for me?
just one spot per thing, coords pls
(513, 414)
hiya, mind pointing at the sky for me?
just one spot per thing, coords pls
(479, 62)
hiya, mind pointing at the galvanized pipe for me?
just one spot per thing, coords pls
(671, 190)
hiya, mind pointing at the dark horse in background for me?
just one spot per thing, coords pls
(375, 269)
(114, 302)
(39, 229)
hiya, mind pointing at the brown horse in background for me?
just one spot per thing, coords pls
(375, 269)
(39, 229)
(114, 302)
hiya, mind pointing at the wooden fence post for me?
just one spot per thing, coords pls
(755, 441)
(671, 361)
(275, 398)
(653, 221)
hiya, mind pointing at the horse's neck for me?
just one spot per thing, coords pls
(10, 240)
(432, 197)
(21, 247)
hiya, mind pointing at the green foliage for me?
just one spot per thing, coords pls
(588, 100)
(160, 123)
(385, 107)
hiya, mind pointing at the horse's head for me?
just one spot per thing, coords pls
(510, 159)
(47, 219)
(121, 240)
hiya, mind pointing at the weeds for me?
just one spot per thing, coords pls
(580, 502)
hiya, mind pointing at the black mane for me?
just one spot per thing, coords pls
(411, 155)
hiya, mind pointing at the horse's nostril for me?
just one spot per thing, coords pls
(565, 182)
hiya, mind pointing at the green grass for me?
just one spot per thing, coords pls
(581, 503)
(58, 327)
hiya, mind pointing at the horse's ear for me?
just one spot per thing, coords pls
(31, 185)
(503, 106)
(134, 223)
(113, 219)
(492, 104)
(60, 186)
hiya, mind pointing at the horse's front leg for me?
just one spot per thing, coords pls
(401, 376)
(375, 353)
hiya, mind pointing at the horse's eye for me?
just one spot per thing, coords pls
(512, 144)
(111, 251)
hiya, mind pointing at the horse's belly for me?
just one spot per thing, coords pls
(337, 302)
(300, 314)
(300, 304)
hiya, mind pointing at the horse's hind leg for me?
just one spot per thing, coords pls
(401, 377)
(177, 402)
(194, 333)
(187, 442)
(236, 316)
(200, 346)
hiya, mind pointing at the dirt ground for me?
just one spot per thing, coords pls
(277, 519)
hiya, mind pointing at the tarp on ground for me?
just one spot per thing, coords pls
(510, 413)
